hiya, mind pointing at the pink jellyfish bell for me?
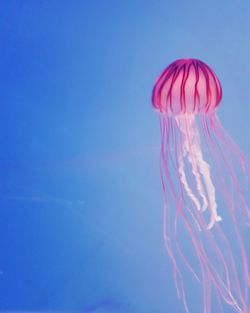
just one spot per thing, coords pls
(205, 183)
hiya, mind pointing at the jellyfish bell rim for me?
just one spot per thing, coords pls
(171, 114)
(203, 74)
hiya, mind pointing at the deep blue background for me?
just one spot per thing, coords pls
(80, 195)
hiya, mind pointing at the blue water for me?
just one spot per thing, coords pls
(80, 194)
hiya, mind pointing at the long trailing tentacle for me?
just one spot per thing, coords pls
(223, 288)
(224, 277)
(187, 127)
(220, 149)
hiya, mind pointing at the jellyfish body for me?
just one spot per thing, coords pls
(205, 179)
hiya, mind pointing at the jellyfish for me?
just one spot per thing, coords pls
(205, 180)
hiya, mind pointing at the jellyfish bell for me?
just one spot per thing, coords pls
(186, 95)
(187, 86)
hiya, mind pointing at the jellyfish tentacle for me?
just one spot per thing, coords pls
(186, 185)
(182, 179)
(224, 288)
(204, 169)
(199, 185)
(189, 130)
(194, 169)
(227, 142)
(243, 205)
(220, 161)
(164, 171)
